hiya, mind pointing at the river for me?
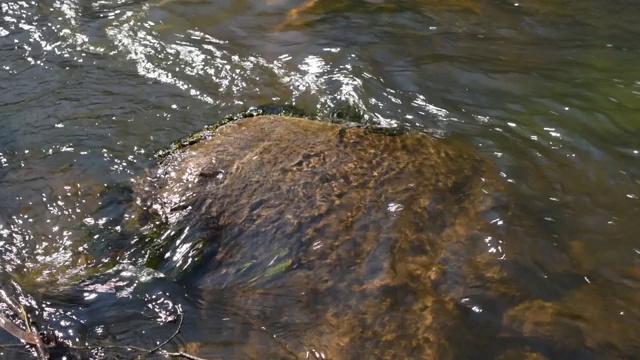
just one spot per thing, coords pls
(549, 91)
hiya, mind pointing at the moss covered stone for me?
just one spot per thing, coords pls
(376, 234)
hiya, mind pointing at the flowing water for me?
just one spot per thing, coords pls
(548, 90)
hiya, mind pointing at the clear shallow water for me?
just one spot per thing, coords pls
(550, 91)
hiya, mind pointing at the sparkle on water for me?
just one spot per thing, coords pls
(550, 91)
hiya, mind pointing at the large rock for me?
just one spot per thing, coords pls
(343, 242)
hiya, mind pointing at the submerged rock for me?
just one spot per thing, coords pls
(288, 238)
(340, 242)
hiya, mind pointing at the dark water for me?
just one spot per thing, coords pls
(548, 90)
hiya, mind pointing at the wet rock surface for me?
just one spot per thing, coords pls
(342, 242)
(279, 237)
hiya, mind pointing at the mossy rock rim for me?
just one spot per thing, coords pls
(277, 110)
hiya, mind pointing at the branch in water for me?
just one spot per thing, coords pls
(16, 331)
(29, 337)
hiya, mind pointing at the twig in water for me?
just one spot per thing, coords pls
(172, 336)
(174, 354)
(159, 347)
(182, 354)
(7, 300)
(29, 336)
(16, 331)
(41, 348)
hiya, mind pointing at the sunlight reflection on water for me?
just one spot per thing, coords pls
(548, 90)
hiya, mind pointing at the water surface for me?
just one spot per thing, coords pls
(548, 90)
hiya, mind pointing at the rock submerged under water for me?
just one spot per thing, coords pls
(287, 238)
(349, 243)
(341, 242)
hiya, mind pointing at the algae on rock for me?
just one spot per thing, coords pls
(359, 242)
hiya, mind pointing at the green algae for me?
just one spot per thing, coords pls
(278, 268)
